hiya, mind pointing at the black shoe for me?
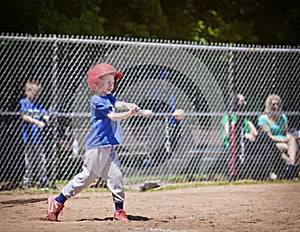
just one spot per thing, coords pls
(44, 185)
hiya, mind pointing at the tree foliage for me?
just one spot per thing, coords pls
(228, 21)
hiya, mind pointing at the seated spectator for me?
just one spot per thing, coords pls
(296, 135)
(249, 128)
(240, 127)
(276, 126)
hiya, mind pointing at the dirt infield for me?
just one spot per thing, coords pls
(264, 207)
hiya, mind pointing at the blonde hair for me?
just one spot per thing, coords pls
(268, 103)
(32, 83)
(268, 107)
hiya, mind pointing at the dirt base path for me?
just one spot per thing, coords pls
(265, 207)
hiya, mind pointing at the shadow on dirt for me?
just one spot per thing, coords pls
(130, 217)
(23, 201)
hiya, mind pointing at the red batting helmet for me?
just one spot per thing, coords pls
(101, 70)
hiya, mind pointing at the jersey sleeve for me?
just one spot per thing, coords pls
(24, 106)
(224, 120)
(262, 120)
(284, 118)
(112, 99)
(247, 126)
(100, 107)
(43, 110)
(234, 118)
(101, 110)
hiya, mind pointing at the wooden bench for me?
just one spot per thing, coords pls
(136, 144)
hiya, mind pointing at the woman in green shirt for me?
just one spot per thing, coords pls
(249, 128)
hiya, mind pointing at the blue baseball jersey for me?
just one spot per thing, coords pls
(104, 132)
(31, 132)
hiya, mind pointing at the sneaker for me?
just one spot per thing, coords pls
(273, 176)
(120, 215)
(54, 209)
(44, 184)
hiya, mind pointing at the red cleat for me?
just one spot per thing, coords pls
(54, 209)
(120, 215)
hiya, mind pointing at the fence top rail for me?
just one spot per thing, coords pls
(154, 43)
(190, 114)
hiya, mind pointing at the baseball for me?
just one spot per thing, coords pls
(178, 114)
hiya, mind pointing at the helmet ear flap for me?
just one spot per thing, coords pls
(95, 83)
(98, 83)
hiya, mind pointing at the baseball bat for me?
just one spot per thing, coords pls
(145, 113)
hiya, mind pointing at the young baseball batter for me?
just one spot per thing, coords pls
(101, 159)
(32, 124)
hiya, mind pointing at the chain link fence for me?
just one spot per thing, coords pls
(158, 75)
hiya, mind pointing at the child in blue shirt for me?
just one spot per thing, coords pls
(101, 159)
(32, 124)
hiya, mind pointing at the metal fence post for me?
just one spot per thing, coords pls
(230, 106)
(54, 150)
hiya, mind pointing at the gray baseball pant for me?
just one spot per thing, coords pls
(99, 162)
(35, 159)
